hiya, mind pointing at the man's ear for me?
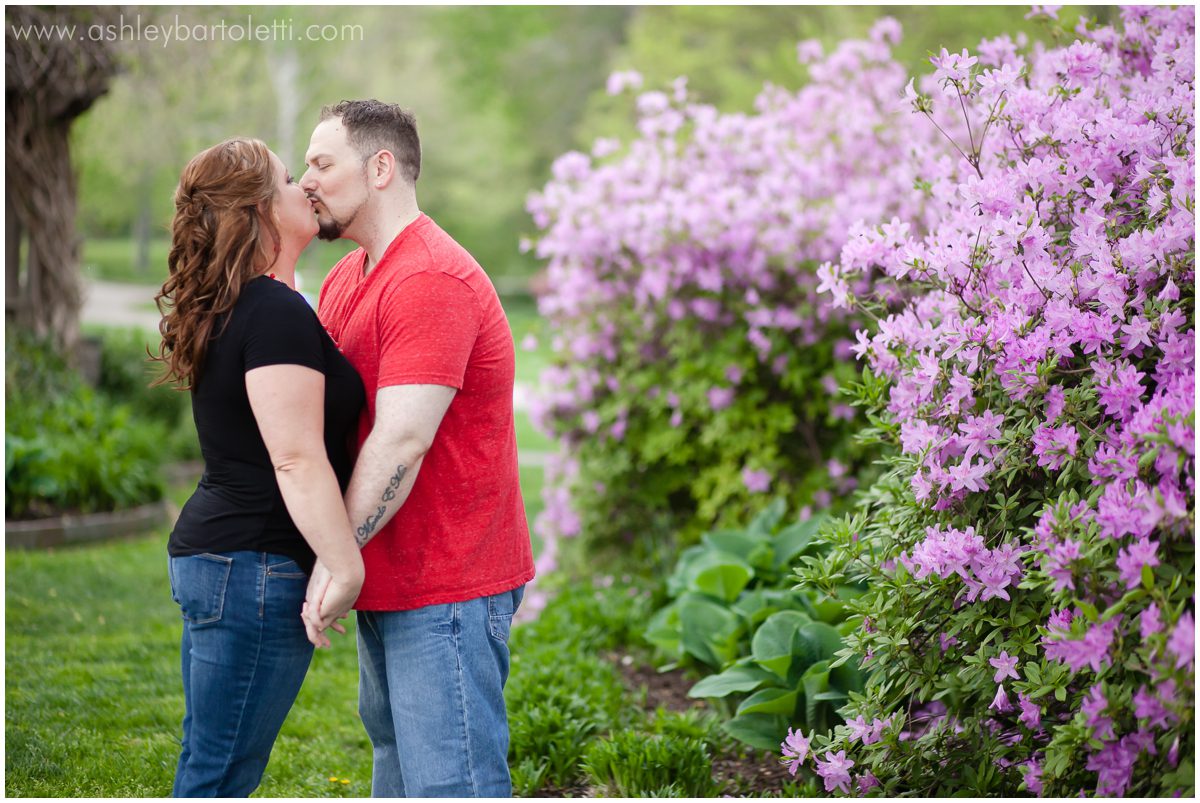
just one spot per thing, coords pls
(382, 169)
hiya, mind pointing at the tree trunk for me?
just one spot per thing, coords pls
(49, 81)
(284, 65)
(43, 190)
(12, 261)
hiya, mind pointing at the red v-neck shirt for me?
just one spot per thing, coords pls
(427, 314)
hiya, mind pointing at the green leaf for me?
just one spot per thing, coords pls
(832, 610)
(1088, 609)
(817, 641)
(768, 519)
(762, 557)
(707, 629)
(663, 631)
(770, 701)
(738, 678)
(736, 542)
(815, 682)
(847, 677)
(719, 574)
(763, 731)
(773, 643)
(757, 605)
(677, 583)
(793, 540)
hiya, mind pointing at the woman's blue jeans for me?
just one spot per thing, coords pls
(244, 657)
(431, 696)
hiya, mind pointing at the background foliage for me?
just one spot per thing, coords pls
(71, 448)
(499, 93)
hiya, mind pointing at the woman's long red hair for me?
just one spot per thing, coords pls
(221, 237)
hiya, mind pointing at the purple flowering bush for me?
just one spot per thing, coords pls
(697, 364)
(1029, 548)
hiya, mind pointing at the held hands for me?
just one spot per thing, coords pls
(327, 602)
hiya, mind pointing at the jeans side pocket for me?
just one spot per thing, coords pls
(199, 584)
(286, 570)
(501, 608)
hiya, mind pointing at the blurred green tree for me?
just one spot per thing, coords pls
(727, 53)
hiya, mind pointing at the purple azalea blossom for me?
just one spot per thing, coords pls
(1133, 558)
(1091, 650)
(795, 747)
(1182, 642)
(756, 481)
(1031, 712)
(1093, 707)
(1033, 776)
(1006, 666)
(720, 398)
(1050, 292)
(835, 770)
(1053, 445)
(866, 782)
(1150, 622)
(1147, 706)
(1000, 702)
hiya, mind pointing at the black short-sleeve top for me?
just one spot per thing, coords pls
(237, 504)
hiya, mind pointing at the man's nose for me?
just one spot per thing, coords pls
(306, 181)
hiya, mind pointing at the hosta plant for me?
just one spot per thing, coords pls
(732, 612)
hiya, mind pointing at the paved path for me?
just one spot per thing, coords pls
(113, 304)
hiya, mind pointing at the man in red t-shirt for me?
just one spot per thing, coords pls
(435, 496)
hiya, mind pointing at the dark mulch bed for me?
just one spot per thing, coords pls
(580, 790)
(746, 772)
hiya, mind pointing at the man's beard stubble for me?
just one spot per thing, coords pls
(329, 230)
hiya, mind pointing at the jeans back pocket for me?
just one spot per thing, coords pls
(198, 584)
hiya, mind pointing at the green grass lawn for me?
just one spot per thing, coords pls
(528, 438)
(113, 259)
(92, 683)
(524, 320)
(93, 693)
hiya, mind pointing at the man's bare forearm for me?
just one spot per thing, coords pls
(383, 478)
(406, 419)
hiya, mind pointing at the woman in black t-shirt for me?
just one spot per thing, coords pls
(275, 405)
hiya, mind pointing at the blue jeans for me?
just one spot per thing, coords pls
(431, 696)
(244, 657)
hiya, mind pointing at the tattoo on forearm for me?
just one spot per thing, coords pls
(368, 527)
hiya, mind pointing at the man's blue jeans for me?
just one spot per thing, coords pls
(244, 657)
(431, 696)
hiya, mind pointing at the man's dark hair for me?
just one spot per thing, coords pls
(373, 126)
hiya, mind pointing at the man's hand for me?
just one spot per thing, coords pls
(320, 586)
(336, 604)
